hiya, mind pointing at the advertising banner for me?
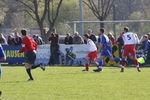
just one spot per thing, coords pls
(10, 52)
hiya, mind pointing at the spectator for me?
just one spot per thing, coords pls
(92, 35)
(120, 44)
(68, 39)
(112, 38)
(143, 41)
(54, 48)
(38, 39)
(146, 48)
(17, 39)
(10, 40)
(148, 35)
(3, 40)
(77, 39)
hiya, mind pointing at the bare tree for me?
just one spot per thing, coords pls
(100, 8)
(53, 13)
(32, 8)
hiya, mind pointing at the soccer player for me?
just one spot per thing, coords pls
(2, 57)
(29, 46)
(92, 55)
(105, 49)
(130, 40)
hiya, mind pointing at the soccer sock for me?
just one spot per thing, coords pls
(136, 62)
(119, 59)
(123, 63)
(87, 66)
(29, 73)
(35, 66)
(100, 63)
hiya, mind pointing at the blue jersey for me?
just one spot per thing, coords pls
(105, 41)
(107, 47)
(2, 54)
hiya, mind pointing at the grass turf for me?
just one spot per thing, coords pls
(70, 83)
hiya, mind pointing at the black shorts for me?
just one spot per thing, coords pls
(30, 57)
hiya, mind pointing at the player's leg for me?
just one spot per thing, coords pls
(87, 65)
(100, 64)
(28, 70)
(136, 63)
(133, 56)
(31, 60)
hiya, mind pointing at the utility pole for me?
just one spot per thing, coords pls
(81, 18)
(114, 18)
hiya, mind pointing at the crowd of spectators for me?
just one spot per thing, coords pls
(14, 38)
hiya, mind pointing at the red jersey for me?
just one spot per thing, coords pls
(28, 44)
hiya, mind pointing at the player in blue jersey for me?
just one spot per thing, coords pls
(105, 49)
(2, 57)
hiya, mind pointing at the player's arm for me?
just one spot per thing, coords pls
(99, 47)
(2, 54)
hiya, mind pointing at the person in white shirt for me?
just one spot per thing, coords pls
(92, 54)
(130, 40)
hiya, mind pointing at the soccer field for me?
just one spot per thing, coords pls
(70, 83)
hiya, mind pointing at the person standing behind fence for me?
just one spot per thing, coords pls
(2, 57)
(68, 39)
(17, 39)
(10, 40)
(54, 48)
(29, 46)
(120, 44)
(146, 48)
(3, 40)
(77, 39)
(91, 35)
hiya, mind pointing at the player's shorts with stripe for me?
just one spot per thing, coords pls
(129, 49)
(30, 57)
(106, 52)
(92, 55)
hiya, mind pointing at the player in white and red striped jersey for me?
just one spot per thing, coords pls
(92, 54)
(130, 40)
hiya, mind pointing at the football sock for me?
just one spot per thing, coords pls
(29, 73)
(136, 62)
(100, 63)
(35, 66)
(119, 59)
(123, 63)
(87, 66)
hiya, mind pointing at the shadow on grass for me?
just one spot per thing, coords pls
(14, 82)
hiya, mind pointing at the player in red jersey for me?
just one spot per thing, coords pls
(92, 54)
(29, 46)
(130, 40)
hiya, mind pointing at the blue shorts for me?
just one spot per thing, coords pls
(106, 52)
(30, 57)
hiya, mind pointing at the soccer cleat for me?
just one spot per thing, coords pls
(42, 66)
(122, 70)
(98, 70)
(138, 69)
(30, 79)
(85, 70)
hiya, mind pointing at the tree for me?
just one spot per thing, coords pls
(3, 10)
(100, 8)
(39, 10)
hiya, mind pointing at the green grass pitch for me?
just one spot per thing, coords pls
(70, 83)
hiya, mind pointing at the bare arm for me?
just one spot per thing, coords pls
(99, 46)
(3, 58)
